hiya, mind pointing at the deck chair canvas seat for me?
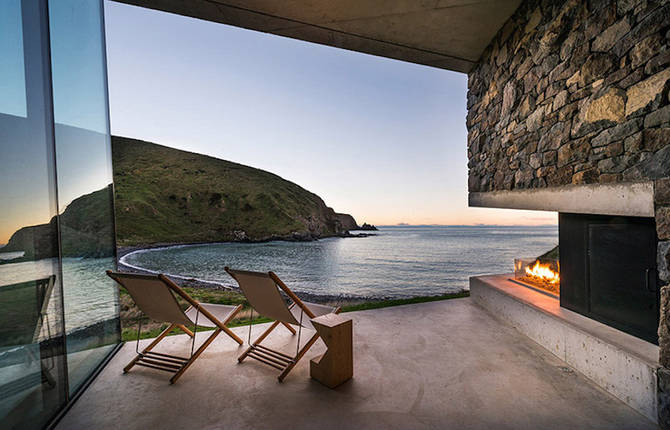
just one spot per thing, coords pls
(155, 296)
(262, 290)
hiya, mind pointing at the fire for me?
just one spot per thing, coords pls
(544, 272)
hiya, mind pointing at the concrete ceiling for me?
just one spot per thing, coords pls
(447, 34)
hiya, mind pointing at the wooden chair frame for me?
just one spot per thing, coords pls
(279, 360)
(43, 290)
(172, 363)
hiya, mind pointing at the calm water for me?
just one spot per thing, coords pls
(89, 296)
(398, 262)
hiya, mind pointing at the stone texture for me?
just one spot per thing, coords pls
(660, 117)
(569, 91)
(610, 36)
(641, 94)
(654, 166)
(664, 329)
(655, 139)
(663, 222)
(663, 261)
(645, 50)
(609, 107)
(662, 192)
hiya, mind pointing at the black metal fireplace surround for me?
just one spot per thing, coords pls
(608, 271)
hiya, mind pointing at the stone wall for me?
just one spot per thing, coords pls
(577, 92)
(572, 92)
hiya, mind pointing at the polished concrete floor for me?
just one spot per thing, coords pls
(447, 364)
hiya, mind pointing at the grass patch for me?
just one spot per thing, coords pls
(398, 302)
(150, 329)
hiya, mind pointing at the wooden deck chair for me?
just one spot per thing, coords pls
(262, 290)
(23, 316)
(154, 295)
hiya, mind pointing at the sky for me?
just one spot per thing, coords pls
(381, 139)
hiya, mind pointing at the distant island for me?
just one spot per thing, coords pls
(168, 196)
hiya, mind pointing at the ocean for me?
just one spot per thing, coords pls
(89, 296)
(399, 262)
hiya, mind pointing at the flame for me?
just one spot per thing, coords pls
(544, 272)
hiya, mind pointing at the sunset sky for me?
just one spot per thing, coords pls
(381, 139)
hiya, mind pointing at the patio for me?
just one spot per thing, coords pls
(447, 364)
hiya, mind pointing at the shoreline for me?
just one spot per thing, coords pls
(123, 250)
(190, 282)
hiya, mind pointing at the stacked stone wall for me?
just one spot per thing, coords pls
(572, 92)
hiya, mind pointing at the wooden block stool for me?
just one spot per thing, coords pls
(337, 364)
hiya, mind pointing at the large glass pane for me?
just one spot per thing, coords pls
(83, 155)
(33, 381)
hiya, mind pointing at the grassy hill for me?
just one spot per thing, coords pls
(164, 195)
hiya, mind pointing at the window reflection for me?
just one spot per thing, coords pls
(53, 250)
(33, 382)
(12, 78)
(84, 183)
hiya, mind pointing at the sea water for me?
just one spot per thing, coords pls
(398, 262)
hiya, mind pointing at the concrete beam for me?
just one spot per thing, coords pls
(447, 34)
(625, 199)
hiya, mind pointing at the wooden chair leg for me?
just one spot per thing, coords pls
(257, 341)
(289, 327)
(185, 330)
(195, 355)
(149, 347)
(235, 337)
(297, 358)
(226, 330)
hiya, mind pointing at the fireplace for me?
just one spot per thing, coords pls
(608, 271)
(542, 273)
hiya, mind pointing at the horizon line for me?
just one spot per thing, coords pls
(466, 225)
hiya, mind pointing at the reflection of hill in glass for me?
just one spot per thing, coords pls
(86, 231)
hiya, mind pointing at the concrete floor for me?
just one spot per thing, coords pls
(446, 364)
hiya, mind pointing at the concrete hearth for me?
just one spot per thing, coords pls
(621, 364)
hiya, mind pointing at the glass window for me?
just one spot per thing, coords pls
(84, 183)
(12, 77)
(33, 378)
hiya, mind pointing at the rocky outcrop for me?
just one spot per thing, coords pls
(369, 227)
(346, 222)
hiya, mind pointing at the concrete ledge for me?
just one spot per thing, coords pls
(626, 199)
(621, 364)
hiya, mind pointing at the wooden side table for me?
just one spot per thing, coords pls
(337, 364)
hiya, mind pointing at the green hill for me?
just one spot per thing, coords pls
(164, 195)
